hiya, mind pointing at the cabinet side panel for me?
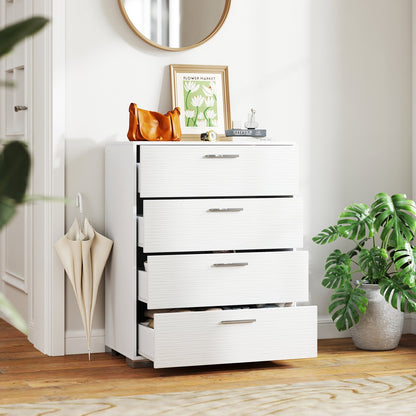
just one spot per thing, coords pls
(120, 226)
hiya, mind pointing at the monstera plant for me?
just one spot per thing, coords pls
(14, 155)
(382, 254)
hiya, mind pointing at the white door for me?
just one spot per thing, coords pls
(30, 273)
(16, 239)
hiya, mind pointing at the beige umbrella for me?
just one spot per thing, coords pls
(83, 253)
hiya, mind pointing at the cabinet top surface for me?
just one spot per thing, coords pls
(239, 142)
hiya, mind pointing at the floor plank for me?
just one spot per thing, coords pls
(26, 375)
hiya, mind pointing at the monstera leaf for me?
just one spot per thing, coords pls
(356, 222)
(405, 264)
(394, 216)
(328, 235)
(337, 276)
(346, 304)
(337, 258)
(373, 263)
(337, 269)
(360, 245)
(398, 293)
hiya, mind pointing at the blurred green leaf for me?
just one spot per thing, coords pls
(7, 210)
(14, 171)
(13, 34)
(11, 314)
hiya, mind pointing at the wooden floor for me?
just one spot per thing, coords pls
(26, 375)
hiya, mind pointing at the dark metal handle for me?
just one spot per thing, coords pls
(225, 209)
(229, 264)
(221, 156)
(238, 321)
(20, 108)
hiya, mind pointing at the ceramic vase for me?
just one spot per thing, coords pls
(380, 328)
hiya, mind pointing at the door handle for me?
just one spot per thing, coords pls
(19, 108)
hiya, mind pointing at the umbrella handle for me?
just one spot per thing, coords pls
(79, 203)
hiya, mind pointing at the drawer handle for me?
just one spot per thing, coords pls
(229, 264)
(221, 156)
(238, 321)
(225, 209)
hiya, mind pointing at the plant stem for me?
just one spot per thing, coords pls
(205, 116)
(186, 100)
(196, 116)
(359, 284)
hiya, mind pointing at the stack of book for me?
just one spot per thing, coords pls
(245, 133)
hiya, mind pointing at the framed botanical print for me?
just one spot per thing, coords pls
(202, 94)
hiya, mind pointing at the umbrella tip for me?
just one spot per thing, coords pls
(89, 355)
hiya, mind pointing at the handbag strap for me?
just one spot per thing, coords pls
(174, 115)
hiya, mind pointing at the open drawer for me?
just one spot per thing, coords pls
(193, 280)
(180, 225)
(181, 339)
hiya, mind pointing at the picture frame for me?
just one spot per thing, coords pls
(202, 94)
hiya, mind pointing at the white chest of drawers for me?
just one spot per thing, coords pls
(210, 230)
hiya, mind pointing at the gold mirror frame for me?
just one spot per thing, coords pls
(167, 48)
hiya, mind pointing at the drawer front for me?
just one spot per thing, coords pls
(220, 224)
(185, 281)
(229, 336)
(197, 171)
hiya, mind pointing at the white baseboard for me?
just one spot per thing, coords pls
(76, 342)
(409, 324)
(327, 329)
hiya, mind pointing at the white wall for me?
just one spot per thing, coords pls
(331, 75)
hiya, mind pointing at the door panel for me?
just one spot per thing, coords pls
(16, 120)
(16, 239)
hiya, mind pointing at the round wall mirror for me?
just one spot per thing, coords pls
(175, 25)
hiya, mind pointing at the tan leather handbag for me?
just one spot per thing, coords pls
(153, 126)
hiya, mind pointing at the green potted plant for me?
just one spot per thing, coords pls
(14, 155)
(373, 282)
